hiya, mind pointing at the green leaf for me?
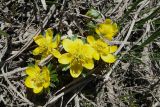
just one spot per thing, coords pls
(49, 66)
(155, 56)
(93, 13)
(84, 40)
(53, 72)
(55, 78)
(74, 37)
(151, 16)
(30, 65)
(157, 22)
(3, 33)
(91, 25)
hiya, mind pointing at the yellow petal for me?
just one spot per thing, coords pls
(104, 28)
(46, 77)
(37, 61)
(65, 58)
(88, 63)
(45, 54)
(97, 31)
(56, 40)
(96, 55)
(112, 49)
(68, 45)
(115, 28)
(78, 46)
(31, 71)
(37, 68)
(28, 82)
(40, 40)
(56, 53)
(88, 50)
(107, 31)
(101, 44)
(46, 84)
(49, 35)
(108, 21)
(78, 42)
(109, 36)
(108, 58)
(76, 70)
(52, 45)
(38, 50)
(45, 72)
(106, 51)
(37, 89)
(90, 39)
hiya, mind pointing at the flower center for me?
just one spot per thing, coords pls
(78, 55)
(99, 47)
(38, 80)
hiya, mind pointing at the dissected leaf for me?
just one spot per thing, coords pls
(30, 64)
(93, 13)
(55, 77)
(91, 25)
(50, 66)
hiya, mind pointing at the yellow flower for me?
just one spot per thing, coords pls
(37, 78)
(46, 44)
(78, 55)
(107, 29)
(102, 50)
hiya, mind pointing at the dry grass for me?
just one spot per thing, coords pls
(132, 81)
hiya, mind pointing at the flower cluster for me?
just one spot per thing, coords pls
(108, 29)
(37, 78)
(78, 53)
(102, 49)
(46, 45)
